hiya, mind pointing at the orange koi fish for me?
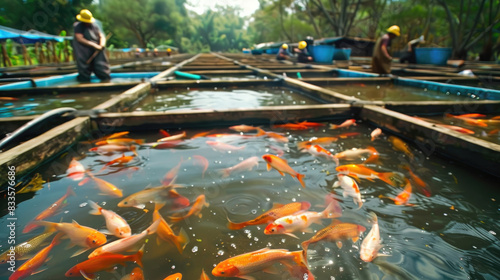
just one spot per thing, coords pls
(346, 123)
(457, 128)
(336, 232)
(311, 124)
(195, 209)
(317, 141)
(399, 145)
(105, 187)
(177, 276)
(360, 171)
(247, 164)
(171, 176)
(165, 145)
(282, 167)
(6, 98)
(117, 134)
(136, 274)
(496, 118)
(201, 134)
(173, 137)
(403, 197)
(120, 141)
(278, 211)
(243, 128)
(88, 268)
(126, 244)
(468, 120)
(291, 126)
(276, 136)
(75, 171)
(469, 115)
(223, 147)
(30, 266)
(203, 275)
(110, 149)
(493, 132)
(116, 225)
(161, 195)
(350, 188)
(371, 243)
(164, 133)
(417, 180)
(301, 221)
(375, 133)
(355, 154)
(242, 265)
(51, 211)
(121, 160)
(201, 161)
(82, 236)
(167, 234)
(348, 134)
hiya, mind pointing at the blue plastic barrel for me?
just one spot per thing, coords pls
(342, 54)
(272, 50)
(323, 53)
(436, 56)
(257, 51)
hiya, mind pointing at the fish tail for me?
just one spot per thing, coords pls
(300, 177)
(152, 228)
(49, 226)
(181, 240)
(336, 160)
(374, 155)
(305, 245)
(333, 210)
(57, 239)
(176, 219)
(235, 226)
(333, 126)
(387, 177)
(158, 206)
(372, 218)
(137, 257)
(225, 172)
(302, 145)
(96, 209)
(299, 257)
(260, 132)
(70, 192)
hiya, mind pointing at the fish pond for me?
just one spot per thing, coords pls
(448, 230)
(221, 98)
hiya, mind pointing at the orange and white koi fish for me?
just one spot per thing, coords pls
(195, 210)
(121, 160)
(117, 134)
(403, 197)
(317, 150)
(164, 145)
(167, 234)
(243, 128)
(223, 147)
(246, 164)
(176, 276)
(173, 137)
(350, 188)
(360, 171)
(282, 167)
(204, 275)
(473, 115)
(457, 128)
(400, 145)
(105, 187)
(276, 136)
(375, 133)
(25, 250)
(201, 161)
(371, 243)
(82, 236)
(6, 98)
(136, 274)
(347, 123)
(201, 134)
(88, 268)
(317, 141)
(242, 265)
(355, 154)
(160, 195)
(126, 244)
(301, 221)
(75, 171)
(120, 141)
(337, 231)
(116, 225)
(31, 266)
(171, 175)
(51, 211)
(311, 124)
(110, 149)
(278, 211)
(291, 126)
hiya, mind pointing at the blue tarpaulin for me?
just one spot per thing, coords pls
(28, 37)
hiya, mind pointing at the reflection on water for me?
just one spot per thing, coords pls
(452, 234)
(221, 98)
(27, 105)
(391, 92)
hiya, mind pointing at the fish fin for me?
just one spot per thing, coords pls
(333, 210)
(271, 270)
(281, 173)
(291, 235)
(181, 240)
(300, 177)
(234, 226)
(305, 245)
(246, 277)
(176, 219)
(373, 156)
(89, 276)
(333, 126)
(159, 205)
(158, 240)
(152, 228)
(105, 231)
(372, 218)
(70, 192)
(383, 255)
(308, 230)
(79, 252)
(336, 184)
(336, 160)
(268, 167)
(49, 227)
(354, 239)
(339, 244)
(299, 257)
(137, 257)
(140, 206)
(387, 177)
(96, 209)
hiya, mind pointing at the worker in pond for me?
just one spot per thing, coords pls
(381, 59)
(88, 48)
(283, 53)
(302, 53)
(408, 54)
(169, 52)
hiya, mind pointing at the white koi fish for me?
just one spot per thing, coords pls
(115, 224)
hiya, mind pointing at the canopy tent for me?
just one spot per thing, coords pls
(28, 37)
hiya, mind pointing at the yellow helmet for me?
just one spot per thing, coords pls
(394, 30)
(285, 46)
(302, 45)
(169, 50)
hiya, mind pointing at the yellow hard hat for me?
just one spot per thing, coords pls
(302, 45)
(147, 49)
(155, 50)
(394, 30)
(85, 16)
(169, 50)
(285, 46)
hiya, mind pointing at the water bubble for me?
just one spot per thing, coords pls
(233, 245)
(173, 267)
(83, 204)
(492, 232)
(330, 262)
(341, 269)
(195, 249)
(327, 249)
(254, 211)
(268, 199)
(220, 252)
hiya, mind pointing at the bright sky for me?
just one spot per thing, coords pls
(248, 6)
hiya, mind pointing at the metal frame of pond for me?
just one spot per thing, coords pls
(116, 114)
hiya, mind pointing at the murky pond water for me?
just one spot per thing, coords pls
(390, 92)
(120, 80)
(221, 98)
(26, 105)
(450, 231)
